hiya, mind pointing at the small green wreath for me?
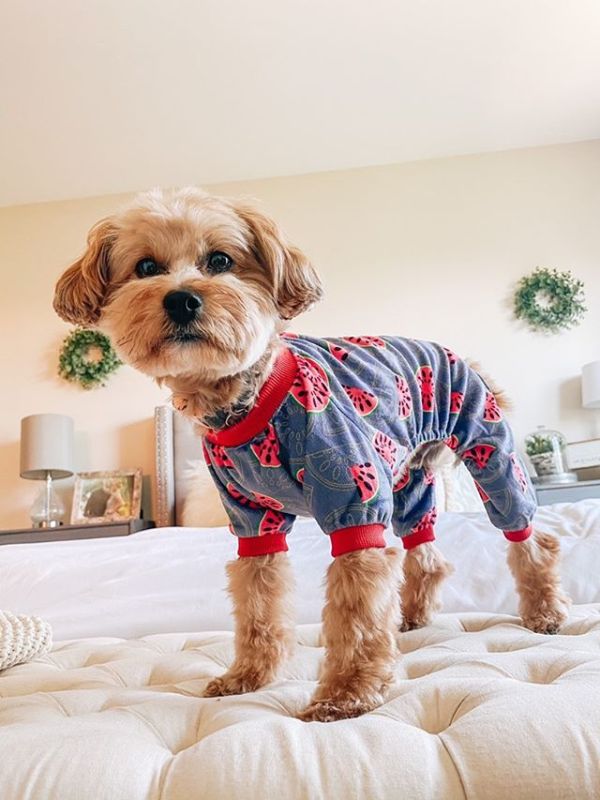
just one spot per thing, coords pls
(564, 297)
(87, 357)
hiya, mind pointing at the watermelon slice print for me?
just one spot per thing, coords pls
(267, 451)
(271, 522)
(452, 442)
(366, 479)
(452, 357)
(363, 401)
(338, 352)
(385, 447)
(264, 501)
(426, 521)
(365, 341)
(241, 499)
(456, 401)
(404, 398)
(484, 496)
(491, 412)
(425, 381)
(518, 472)
(220, 456)
(311, 385)
(480, 454)
(300, 475)
(402, 480)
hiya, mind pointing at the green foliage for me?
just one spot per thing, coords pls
(565, 297)
(537, 445)
(75, 364)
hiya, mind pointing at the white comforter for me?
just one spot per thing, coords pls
(173, 579)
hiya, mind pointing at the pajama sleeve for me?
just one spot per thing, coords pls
(257, 521)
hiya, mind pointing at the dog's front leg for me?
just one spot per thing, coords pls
(264, 633)
(360, 621)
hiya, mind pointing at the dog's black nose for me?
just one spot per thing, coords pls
(183, 307)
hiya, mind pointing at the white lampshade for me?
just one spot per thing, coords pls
(46, 446)
(590, 385)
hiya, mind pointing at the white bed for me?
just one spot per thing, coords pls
(481, 707)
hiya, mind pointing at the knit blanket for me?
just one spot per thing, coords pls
(22, 638)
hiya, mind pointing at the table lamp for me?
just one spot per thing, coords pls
(47, 455)
(590, 385)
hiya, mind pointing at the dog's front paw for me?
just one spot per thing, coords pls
(412, 623)
(332, 709)
(234, 683)
(334, 706)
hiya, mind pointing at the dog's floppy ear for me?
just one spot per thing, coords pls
(81, 290)
(295, 281)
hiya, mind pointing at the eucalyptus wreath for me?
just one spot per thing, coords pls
(564, 306)
(87, 357)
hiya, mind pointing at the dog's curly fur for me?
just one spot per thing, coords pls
(215, 376)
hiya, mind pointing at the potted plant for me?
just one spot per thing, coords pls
(545, 449)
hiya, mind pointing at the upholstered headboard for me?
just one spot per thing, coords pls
(179, 467)
(177, 449)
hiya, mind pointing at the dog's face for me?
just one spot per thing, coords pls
(186, 283)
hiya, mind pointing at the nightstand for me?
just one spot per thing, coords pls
(567, 492)
(67, 532)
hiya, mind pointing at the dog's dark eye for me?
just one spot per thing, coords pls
(146, 268)
(219, 262)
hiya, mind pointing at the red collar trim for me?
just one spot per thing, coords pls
(269, 399)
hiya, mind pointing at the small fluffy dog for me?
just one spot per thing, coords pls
(196, 291)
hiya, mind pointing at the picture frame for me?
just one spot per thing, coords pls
(107, 496)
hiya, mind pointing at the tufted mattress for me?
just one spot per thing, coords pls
(481, 708)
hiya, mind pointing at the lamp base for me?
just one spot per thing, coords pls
(48, 509)
(51, 523)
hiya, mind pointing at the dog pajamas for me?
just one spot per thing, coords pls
(331, 434)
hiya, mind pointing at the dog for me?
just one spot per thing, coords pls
(197, 291)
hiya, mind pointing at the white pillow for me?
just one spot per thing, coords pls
(202, 507)
(460, 492)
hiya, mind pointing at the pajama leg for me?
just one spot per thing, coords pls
(414, 507)
(502, 483)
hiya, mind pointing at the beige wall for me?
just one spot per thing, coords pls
(430, 249)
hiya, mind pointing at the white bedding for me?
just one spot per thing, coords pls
(173, 579)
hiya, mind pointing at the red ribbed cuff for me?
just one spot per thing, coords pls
(519, 536)
(357, 537)
(261, 545)
(426, 534)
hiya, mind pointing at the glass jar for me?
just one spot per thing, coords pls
(546, 451)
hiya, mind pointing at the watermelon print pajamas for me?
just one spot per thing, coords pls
(331, 434)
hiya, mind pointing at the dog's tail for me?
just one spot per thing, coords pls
(502, 398)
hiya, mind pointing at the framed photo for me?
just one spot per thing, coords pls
(106, 497)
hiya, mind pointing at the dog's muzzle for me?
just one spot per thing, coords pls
(182, 307)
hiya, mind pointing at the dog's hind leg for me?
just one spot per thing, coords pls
(534, 564)
(360, 623)
(261, 589)
(424, 571)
